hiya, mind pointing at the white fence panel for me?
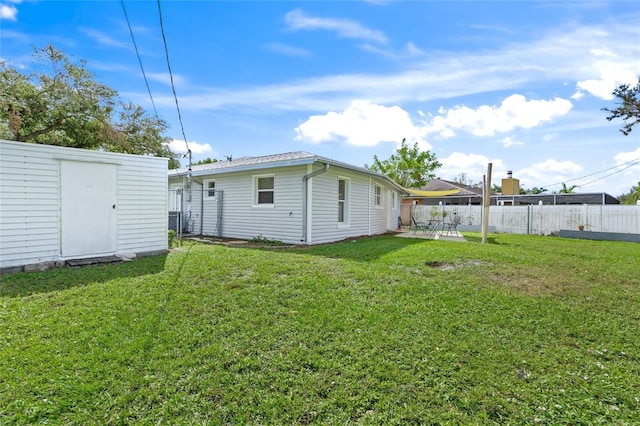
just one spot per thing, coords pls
(510, 219)
(543, 219)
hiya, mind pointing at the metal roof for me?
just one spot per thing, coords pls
(296, 158)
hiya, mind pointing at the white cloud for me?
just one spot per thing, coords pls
(611, 76)
(8, 12)
(514, 112)
(164, 77)
(625, 157)
(179, 147)
(507, 142)
(577, 95)
(630, 160)
(473, 165)
(362, 124)
(105, 39)
(546, 173)
(409, 51)
(560, 55)
(297, 20)
(287, 50)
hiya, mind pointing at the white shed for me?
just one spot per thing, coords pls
(296, 198)
(59, 203)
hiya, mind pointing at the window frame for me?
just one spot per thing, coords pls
(345, 203)
(377, 196)
(208, 190)
(257, 190)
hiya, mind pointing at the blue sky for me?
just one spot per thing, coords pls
(518, 84)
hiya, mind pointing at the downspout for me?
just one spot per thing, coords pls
(305, 184)
(201, 200)
(369, 208)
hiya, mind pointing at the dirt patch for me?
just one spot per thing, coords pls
(449, 266)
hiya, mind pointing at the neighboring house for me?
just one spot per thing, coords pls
(60, 203)
(440, 191)
(296, 198)
(449, 193)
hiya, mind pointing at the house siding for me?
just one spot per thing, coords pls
(241, 218)
(364, 218)
(283, 221)
(30, 222)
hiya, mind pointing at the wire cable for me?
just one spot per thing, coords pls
(135, 46)
(173, 88)
(634, 161)
(617, 171)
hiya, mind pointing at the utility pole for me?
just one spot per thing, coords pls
(486, 202)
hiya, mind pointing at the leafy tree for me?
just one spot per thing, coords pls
(632, 196)
(138, 133)
(628, 107)
(206, 161)
(64, 105)
(409, 167)
(464, 180)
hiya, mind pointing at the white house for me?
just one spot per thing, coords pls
(60, 203)
(296, 198)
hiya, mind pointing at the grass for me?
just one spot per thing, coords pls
(382, 330)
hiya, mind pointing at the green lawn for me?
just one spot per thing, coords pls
(383, 330)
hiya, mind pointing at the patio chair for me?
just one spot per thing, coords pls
(453, 225)
(415, 226)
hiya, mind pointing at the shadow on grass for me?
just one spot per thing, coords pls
(478, 239)
(27, 283)
(359, 249)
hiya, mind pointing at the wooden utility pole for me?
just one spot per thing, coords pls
(486, 202)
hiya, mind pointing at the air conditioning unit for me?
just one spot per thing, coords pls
(175, 220)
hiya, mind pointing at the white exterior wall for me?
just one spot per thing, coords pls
(364, 217)
(283, 221)
(242, 218)
(189, 204)
(30, 207)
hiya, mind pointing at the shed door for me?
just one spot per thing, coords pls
(88, 208)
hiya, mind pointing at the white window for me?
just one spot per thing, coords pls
(394, 200)
(265, 189)
(378, 196)
(343, 203)
(210, 188)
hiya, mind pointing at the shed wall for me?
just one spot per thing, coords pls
(30, 201)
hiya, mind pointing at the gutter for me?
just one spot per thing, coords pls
(305, 185)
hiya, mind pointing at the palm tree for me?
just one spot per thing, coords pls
(632, 196)
(567, 190)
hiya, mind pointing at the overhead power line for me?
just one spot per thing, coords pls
(173, 88)
(617, 171)
(135, 46)
(630, 163)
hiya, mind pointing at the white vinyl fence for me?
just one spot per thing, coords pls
(542, 219)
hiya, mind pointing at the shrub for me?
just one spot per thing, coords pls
(172, 238)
